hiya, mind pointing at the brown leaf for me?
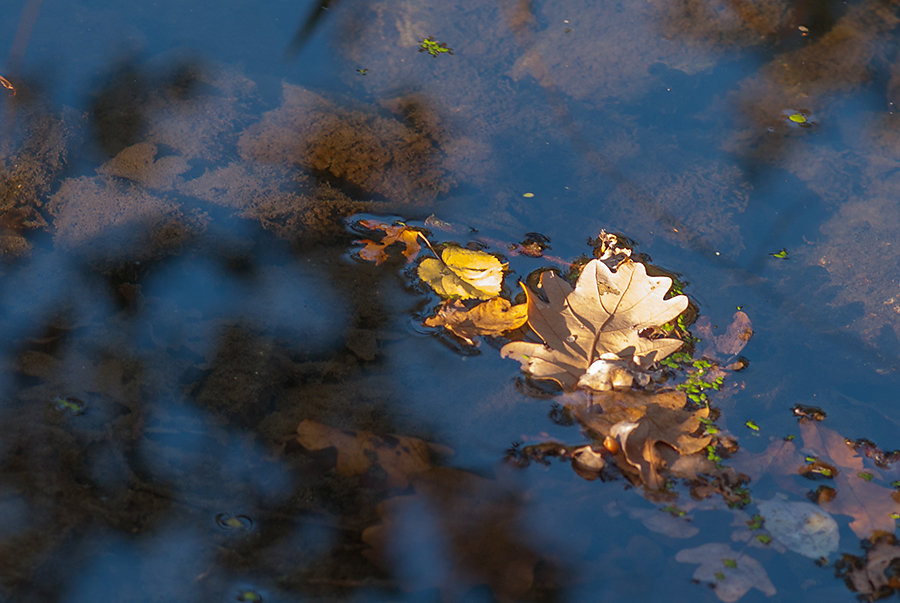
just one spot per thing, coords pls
(493, 317)
(605, 313)
(658, 438)
(653, 430)
(869, 503)
(728, 344)
(375, 251)
(870, 576)
(731, 574)
(399, 457)
(865, 500)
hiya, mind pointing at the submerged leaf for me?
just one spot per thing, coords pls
(731, 574)
(463, 273)
(605, 313)
(801, 526)
(399, 457)
(492, 317)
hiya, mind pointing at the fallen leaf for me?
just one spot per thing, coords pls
(463, 273)
(731, 574)
(493, 317)
(852, 488)
(857, 492)
(653, 431)
(375, 251)
(801, 527)
(358, 452)
(657, 440)
(874, 575)
(605, 313)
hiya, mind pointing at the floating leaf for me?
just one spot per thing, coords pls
(874, 576)
(781, 254)
(651, 432)
(463, 273)
(493, 317)
(730, 573)
(375, 251)
(605, 313)
(399, 457)
(801, 526)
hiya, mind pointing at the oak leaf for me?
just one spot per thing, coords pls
(375, 251)
(653, 431)
(605, 313)
(493, 317)
(852, 487)
(463, 273)
(857, 492)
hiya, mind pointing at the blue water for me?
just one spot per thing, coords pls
(202, 306)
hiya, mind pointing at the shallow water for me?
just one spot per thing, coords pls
(181, 185)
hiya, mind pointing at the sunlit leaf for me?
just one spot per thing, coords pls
(463, 273)
(375, 251)
(605, 313)
(493, 317)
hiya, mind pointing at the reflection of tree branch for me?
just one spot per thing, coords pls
(306, 28)
(23, 34)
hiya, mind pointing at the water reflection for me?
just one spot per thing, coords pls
(177, 271)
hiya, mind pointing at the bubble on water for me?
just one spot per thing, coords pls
(233, 522)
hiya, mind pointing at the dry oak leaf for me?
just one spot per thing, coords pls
(399, 457)
(731, 574)
(463, 273)
(653, 430)
(375, 251)
(605, 313)
(861, 497)
(658, 439)
(493, 317)
(870, 504)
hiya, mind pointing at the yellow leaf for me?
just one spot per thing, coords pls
(375, 251)
(463, 273)
(492, 317)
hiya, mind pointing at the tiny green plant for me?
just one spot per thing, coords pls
(865, 475)
(433, 47)
(751, 425)
(781, 254)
